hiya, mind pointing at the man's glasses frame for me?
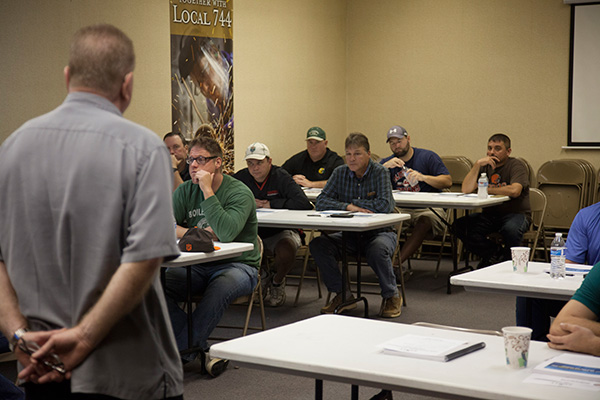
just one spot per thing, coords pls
(201, 160)
(51, 360)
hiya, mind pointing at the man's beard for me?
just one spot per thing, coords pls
(402, 153)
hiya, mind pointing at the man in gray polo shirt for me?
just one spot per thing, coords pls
(79, 245)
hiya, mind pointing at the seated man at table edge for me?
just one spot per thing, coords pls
(577, 326)
(226, 207)
(360, 185)
(178, 148)
(273, 187)
(427, 169)
(507, 177)
(583, 247)
(313, 166)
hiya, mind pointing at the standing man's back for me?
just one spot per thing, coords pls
(83, 233)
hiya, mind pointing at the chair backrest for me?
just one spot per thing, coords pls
(459, 167)
(530, 172)
(538, 202)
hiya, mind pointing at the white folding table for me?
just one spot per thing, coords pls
(187, 259)
(302, 219)
(347, 349)
(500, 278)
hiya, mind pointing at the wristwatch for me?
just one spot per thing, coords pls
(16, 337)
(175, 170)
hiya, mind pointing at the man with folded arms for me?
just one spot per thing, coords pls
(80, 250)
(360, 185)
(583, 247)
(224, 206)
(273, 187)
(576, 326)
(313, 166)
(427, 169)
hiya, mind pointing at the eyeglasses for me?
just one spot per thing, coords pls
(51, 360)
(200, 159)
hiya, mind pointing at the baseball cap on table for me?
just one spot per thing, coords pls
(396, 131)
(316, 133)
(257, 151)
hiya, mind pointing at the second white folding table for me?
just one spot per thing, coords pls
(359, 222)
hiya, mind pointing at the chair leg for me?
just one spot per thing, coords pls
(248, 313)
(301, 281)
(402, 281)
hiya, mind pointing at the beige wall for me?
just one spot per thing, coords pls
(453, 72)
(450, 71)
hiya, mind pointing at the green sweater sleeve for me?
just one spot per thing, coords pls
(228, 218)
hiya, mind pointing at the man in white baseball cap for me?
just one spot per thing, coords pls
(273, 187)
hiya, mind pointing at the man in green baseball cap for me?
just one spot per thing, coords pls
(313, 166)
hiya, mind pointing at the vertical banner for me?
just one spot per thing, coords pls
(202, 71)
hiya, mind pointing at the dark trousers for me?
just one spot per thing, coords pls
(474, 229)
(536, 313)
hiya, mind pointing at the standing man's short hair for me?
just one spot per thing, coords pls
(500, 137)
(101, 67)
(357, 139)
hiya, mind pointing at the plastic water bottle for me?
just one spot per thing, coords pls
(482, 186)
(412, 182)
(557, 257)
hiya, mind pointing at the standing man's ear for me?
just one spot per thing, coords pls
(124, 96)
(67, 73)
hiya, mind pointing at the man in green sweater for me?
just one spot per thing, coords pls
(226, 207)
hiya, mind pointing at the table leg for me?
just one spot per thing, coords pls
(456, 270)
(189, 304)
(318, 389)
(344, 284)
(354, 392)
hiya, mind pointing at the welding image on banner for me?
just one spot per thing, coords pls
(203, 90)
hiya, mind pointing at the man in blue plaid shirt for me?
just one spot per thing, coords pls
(364, 186)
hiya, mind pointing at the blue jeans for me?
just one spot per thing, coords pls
(219, 285)
(378, 249)
(474, 229)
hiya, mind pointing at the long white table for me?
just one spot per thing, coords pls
(311, 219)
(435, 200)
(187, 259)
(500, 278)
(359, 222)
(347, 349)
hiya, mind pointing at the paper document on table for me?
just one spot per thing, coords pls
(570, 365)
(429, 347)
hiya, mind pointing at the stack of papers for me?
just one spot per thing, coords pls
(429, 347)
(580, 366)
